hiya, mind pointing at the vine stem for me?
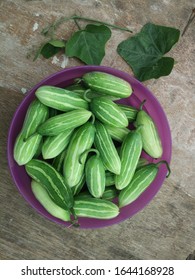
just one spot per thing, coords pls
(77, 24)
(191, 18)
(75, 17)
(102, 22)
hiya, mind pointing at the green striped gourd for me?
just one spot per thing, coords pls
(78, 88)
(58, 161)
(107, 84)
(108, 112)
(141, 162)
(44, 199)
(129, 154)
(81, 141)
(151, 140)
(60, 99)
(95, 175)
(95, 208)
(110, 193)
(142, 179)
(84, 194)
(78, 187)
(36, 114)
(25, 150)
(62, 122)
(54, 145)
(129, 111)
(53, 112)
(110, 178)
(39, 150)
(43, 173)
(105, 146)
(117, 133)
(26, 145)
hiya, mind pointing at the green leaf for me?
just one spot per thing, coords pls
(57, 43)
(162, 67)
(89, 44)
(144, 52)
(50, 48)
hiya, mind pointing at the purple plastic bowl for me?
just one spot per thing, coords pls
(140, 92)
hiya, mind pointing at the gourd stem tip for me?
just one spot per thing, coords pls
(142, 103)
(31, 136)
(74, 221)
(78, 80)
(85, 95)
(86, 152)
(92, 118)
(167, 165)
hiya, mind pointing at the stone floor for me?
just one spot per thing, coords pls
(165, 228)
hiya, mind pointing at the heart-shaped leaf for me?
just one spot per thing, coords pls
(50, 48)
(144, 52)
(89, 44)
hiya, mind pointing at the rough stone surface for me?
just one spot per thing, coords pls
(165, 228)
